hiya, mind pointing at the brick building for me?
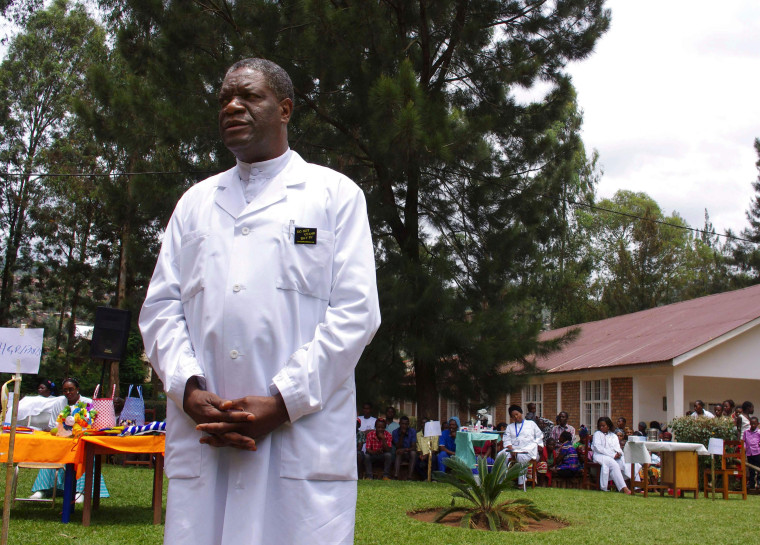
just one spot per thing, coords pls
(649, 365)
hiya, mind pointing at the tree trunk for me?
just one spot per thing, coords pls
(79, 281)
(11, 254)
(126, 232)
(427, 389)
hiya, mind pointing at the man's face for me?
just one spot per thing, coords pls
(250, 116)
(390, 413)
(367, 410)
(698, 407)
(379, 427)
(621, 423)
(531, 407)
(403, 425)
(453, 426)
(562, 419)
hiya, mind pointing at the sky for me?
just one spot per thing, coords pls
(671, 101)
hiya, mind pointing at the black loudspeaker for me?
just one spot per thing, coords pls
(109, 337)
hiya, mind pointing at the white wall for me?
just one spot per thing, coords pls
(649, 391)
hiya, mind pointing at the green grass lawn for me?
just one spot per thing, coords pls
(595, 518)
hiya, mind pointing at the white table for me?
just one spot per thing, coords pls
(679, 467)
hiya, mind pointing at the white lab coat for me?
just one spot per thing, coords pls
(234, 299)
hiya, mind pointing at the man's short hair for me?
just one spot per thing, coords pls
(276, 77)
(404, 418)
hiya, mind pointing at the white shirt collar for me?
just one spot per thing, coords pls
(255, 176)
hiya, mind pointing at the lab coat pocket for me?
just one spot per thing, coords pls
(306, 268)
(192, 264)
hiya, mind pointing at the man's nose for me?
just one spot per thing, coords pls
(233, 105)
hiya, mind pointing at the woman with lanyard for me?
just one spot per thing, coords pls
(43, 484)
(522, 438)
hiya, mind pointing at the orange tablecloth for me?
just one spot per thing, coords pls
(40, 446)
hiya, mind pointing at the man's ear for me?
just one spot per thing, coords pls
(286, 110)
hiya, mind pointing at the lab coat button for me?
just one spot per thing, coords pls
(236, 288)
(245, 231)
(234, 354)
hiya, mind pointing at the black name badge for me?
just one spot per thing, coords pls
(305, 235)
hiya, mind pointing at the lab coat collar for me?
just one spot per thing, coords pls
(231, 199)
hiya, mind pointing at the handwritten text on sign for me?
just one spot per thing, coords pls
(20, 352)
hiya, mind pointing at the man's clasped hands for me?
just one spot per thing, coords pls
(232, 423)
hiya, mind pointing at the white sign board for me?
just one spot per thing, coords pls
(20, 350)
(715, 446)
(432, 429)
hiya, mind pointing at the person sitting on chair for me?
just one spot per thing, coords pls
(378, 448)
(609, 455)
(522, 439)
(447, 444)
(405, 441)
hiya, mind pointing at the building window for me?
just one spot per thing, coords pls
(595, 402)
(534, 393)
(452, 410)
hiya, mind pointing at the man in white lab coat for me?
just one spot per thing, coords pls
(262, 300)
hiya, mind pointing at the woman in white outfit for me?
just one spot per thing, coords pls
(609, 455)
(522, 438)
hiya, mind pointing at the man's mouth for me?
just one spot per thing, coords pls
(234, 123)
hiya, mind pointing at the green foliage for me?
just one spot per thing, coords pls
(43, 69)
(415, 102)
(700, 430)
(746, 255)
(482, 491)
(133, 369)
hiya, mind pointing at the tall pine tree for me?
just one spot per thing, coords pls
(415, 101)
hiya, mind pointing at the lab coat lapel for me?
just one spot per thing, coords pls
(229, 195)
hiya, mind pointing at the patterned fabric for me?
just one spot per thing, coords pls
(557, 430)
(153, 427)
(46, 478)
(374, 443)
(570, 461)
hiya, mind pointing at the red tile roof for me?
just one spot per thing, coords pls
(655, 335)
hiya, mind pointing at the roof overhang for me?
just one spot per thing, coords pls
(709, 345)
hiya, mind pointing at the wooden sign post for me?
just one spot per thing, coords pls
(20, 352)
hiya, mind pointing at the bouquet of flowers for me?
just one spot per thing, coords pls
(74, 420)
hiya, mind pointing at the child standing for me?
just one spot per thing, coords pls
(751, 438)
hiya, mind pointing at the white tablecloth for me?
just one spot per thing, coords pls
(638, 453)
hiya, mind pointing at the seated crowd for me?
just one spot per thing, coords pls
(554, 449)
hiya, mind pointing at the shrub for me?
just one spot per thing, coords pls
(700, 430)
(483, 491)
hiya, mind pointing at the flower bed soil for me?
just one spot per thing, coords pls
(453, 519)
